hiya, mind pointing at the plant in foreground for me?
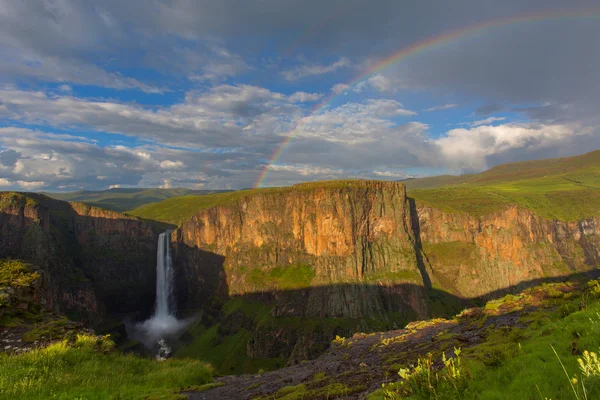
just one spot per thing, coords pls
(425, 382)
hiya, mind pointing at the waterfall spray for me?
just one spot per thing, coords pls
(155, 331)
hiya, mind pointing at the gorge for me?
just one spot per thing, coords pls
(269, 277)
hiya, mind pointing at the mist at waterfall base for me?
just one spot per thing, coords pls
(156, 331)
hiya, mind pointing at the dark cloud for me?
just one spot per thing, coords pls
(9, 158)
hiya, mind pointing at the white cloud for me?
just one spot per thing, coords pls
(339, 87)
(214, 118)
(390, 174)
(168, 164)
(442, 107)
(379, 83)
(303, 97)
(5, 182)
(469, 149)
(306, 170)
(304, 71)
(31, 185)
(485, 121)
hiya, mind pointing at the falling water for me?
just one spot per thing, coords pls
(164, 277)
(155, 331)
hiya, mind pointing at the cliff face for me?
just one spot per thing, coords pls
(93, 261)
(473, 257)
(360, 251)
(341, 249)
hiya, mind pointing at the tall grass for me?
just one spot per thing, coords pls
(89, 369)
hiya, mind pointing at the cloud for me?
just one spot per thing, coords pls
(214, 118)
(59, 162)
(304, 71)
(303, 97)
(471, 149)
(442, 107)
(9, 158)
(31, 185)
(339, 88)
(485, 121)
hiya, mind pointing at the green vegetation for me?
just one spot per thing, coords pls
(299, 392)
(549, 353)
(16, 279)
(12, 199)
(287, 277)
(226, 352)
(563, 189)
(16, 274)
(178, 209)
(89, 368)
(225, 344)
(126, 199)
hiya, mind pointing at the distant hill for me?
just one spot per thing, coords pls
(511, 172)
(125, 199)
(559, 188)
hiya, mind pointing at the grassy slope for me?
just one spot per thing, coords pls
(125, 199)
(520, 362)
(88, 369)
(563, 189)
(178, 209)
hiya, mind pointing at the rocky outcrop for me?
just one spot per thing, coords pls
(337, 251)
(473, 257)
(92, 261)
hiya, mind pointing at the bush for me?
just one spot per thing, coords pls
(424, 382)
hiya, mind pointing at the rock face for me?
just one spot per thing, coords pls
(473, 257)
(362, 250)
(337, 250)
(92, 261)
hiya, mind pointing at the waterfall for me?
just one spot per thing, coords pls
(164, 277)
(163, 325)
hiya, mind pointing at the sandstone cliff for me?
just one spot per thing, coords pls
(472, 257)
(341, 247)
(92, 260)
(361, 251)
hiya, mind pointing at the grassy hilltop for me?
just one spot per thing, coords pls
(565, 189)
(123, 199)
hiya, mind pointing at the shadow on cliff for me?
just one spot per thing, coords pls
(96, 264)
(298, 324)
(201, 284)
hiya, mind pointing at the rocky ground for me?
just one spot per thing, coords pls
(352, 368)
(27, 335)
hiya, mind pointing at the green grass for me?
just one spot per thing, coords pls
(13, 199)
(178, 209)
(125, 199)
(535, 358)
(228, 353)
(567, 194)
(287, 277)
(16, 274)
(88, 369)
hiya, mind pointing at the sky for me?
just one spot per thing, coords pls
(233, 94)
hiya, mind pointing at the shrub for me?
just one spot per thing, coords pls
(424, 382)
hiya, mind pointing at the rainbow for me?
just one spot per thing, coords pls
(415, 49)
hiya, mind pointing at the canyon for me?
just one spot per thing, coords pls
(281, 272)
